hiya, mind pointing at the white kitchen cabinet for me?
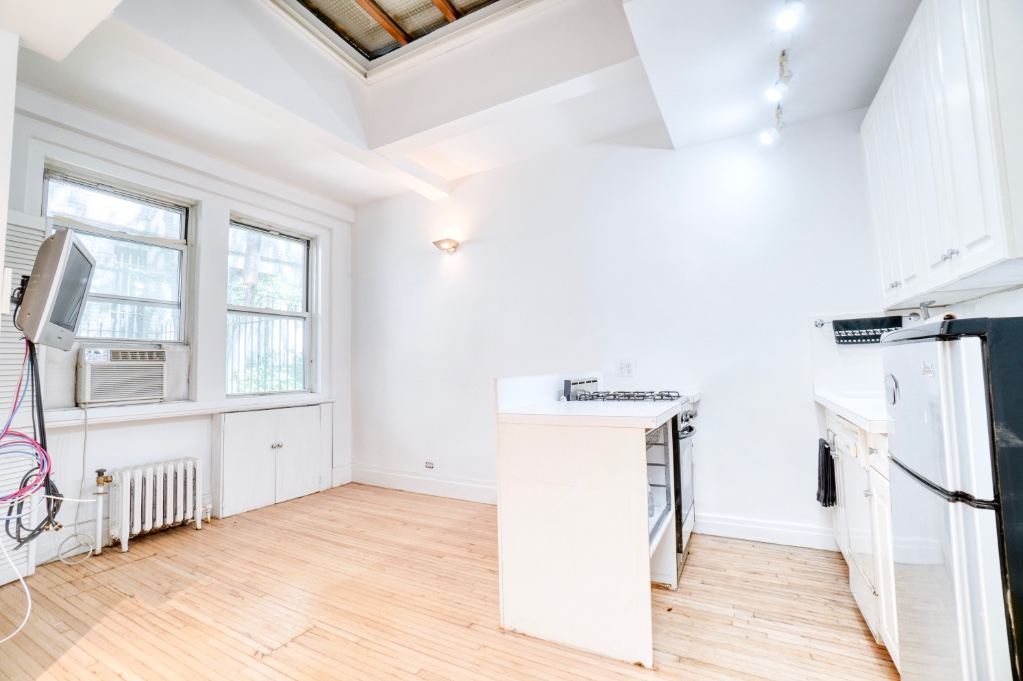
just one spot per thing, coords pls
(884, 562)
(269, 456)
(852, 487)
(863, 524)
(943, 145)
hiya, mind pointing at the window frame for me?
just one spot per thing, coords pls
(305, 314)
(181, 245)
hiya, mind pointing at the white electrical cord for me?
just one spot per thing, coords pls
(28, 594)
(90, 542)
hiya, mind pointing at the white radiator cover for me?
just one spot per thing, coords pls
(153, 497)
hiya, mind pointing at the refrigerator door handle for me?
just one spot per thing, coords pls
(951, 497)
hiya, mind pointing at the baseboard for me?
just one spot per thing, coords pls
(789, 534)
(452, 488)
(341, 475)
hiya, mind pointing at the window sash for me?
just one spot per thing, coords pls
(114, 300)
(306, 347)
(75, 225)
(181, 245)
(302, 314)
(307, 243)
(266, 311)
(51, 174)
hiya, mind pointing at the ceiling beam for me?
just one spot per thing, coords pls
(385, 20)
(447, 9)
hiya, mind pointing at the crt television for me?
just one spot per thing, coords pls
(53, 303)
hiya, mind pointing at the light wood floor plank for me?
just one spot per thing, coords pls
(368, 583)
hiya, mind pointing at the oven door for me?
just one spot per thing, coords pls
(685, 517)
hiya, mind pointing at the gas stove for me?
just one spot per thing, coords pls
(626, 396)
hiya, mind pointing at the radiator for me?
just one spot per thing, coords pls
(154, 497)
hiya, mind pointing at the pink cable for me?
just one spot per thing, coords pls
(19, 438)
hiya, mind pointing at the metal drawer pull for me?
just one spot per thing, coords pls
(867, 493)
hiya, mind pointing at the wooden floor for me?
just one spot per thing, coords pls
(366, 583)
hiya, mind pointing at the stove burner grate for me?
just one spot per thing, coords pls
(628, 396)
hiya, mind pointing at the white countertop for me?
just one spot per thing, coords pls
(609, 414)
(865, 411)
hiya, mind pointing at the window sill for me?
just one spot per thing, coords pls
(72, 418)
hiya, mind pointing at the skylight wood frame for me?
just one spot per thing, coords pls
(448, 10)
(385, 20)
(445, 39)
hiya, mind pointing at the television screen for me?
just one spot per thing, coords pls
(53, 302)
(74, 285)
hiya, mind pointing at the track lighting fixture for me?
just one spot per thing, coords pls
(770, 136)
(789, 17)
(777, 92)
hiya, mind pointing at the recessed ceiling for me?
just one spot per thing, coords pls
(378, 27)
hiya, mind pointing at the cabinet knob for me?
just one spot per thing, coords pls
(895, 284)
(949, 254)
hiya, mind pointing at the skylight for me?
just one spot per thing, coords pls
(377, 27)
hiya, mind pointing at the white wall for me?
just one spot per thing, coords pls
(568, 40)
(51, 131)
(701, 265)
(248, 43)
(8, 76)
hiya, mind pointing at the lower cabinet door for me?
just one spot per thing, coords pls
(865, 597)
(839, 515)
(249, 466)
(884, 571)
(300, 468)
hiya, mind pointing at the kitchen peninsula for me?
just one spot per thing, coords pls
(585, 515)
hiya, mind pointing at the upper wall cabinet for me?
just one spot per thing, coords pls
(943, 145)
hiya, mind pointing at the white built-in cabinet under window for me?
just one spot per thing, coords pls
(269, 456)
(268, 312)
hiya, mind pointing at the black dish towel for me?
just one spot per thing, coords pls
(825, 474)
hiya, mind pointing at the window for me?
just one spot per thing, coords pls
(139, 245)
(268, 311)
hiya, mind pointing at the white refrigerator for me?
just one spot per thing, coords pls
(954, 390)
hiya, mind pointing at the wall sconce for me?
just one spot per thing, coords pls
(448, 245)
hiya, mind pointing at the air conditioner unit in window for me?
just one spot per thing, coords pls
(109, 376)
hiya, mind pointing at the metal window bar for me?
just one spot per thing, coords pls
(266, 353)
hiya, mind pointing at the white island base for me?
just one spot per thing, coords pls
(576, 556)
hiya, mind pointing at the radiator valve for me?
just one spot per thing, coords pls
(102, 478)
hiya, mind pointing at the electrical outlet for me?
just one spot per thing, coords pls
(429, 464)
(626, 368)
